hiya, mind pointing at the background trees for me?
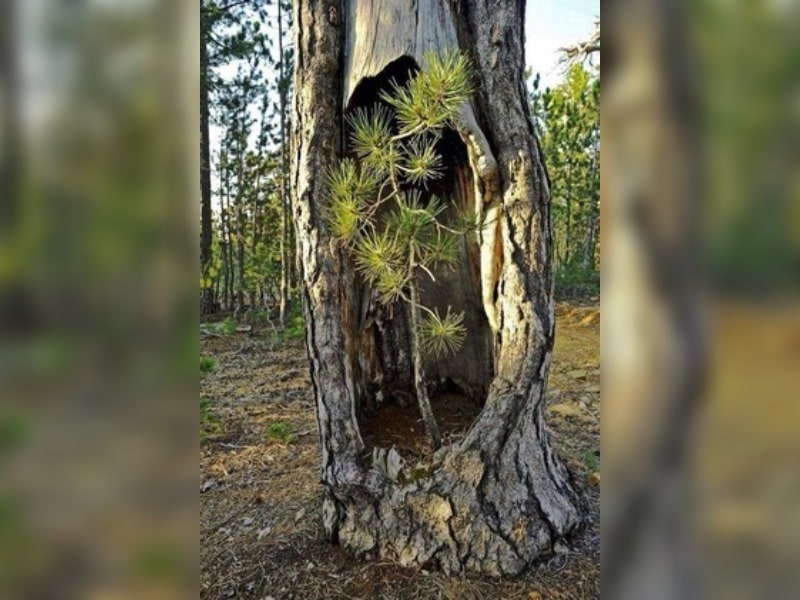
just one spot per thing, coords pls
(247, 240)
(246, 237)
(568, 122)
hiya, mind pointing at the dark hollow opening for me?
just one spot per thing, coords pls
(387, 413)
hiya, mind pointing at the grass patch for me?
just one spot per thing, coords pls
(210, 426)
(280, 431)
(590, 461)
(207, 364)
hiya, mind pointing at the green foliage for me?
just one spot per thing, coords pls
(228, 326)
(567, 120)
(207, 364)
(296, 328)
(280, 431)
(433, 97)
(371, 138)
(421, 163)
(350, 190)
(573, 281)
(441, 335)
(391, 247)
(248, 73)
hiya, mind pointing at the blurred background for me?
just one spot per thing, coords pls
(98, 309)
(700, 269)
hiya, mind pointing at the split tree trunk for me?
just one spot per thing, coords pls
(500, 498)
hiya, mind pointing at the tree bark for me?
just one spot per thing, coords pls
(500, 498)
(285, 205)
(207, 300)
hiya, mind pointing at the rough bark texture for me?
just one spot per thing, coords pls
(500, 498)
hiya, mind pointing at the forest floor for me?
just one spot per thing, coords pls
(260, 496)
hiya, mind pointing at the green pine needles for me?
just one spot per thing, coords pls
(396, 160)
(381, 209)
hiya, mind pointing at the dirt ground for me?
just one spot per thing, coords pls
(260, 503)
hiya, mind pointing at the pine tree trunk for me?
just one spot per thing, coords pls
(228, 243)
(500, 498)
(207, 301)
(285, 207)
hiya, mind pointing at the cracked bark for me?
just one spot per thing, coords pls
(500, 498)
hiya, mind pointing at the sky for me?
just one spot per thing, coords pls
(552, 24)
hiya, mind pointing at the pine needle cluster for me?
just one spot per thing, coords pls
(396, 158)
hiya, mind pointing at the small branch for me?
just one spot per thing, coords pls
(401, 136)
(581, 51)
(424, 268)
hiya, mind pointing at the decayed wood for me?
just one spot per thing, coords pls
(500, 498)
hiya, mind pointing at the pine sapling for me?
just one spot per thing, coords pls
(394, 145)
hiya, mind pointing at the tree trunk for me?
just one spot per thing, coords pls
(226, 232)
(654, 364)
(285, 207)
(431, 428)
(500, 498)
(207, 301)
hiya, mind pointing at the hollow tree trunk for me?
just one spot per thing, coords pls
(500, 498)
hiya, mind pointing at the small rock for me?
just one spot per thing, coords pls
(534, 596)
(310, 566)
(577, 374)
(207, 485)
(394, 464)
(247, 521)
(594, 479)
(592, 389)
(263, 532)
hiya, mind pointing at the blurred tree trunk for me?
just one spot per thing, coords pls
(500, 498)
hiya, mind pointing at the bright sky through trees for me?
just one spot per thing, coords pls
(553, 24)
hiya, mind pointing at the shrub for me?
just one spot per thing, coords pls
(228, 326)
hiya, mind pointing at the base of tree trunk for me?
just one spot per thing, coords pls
(493, 504)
